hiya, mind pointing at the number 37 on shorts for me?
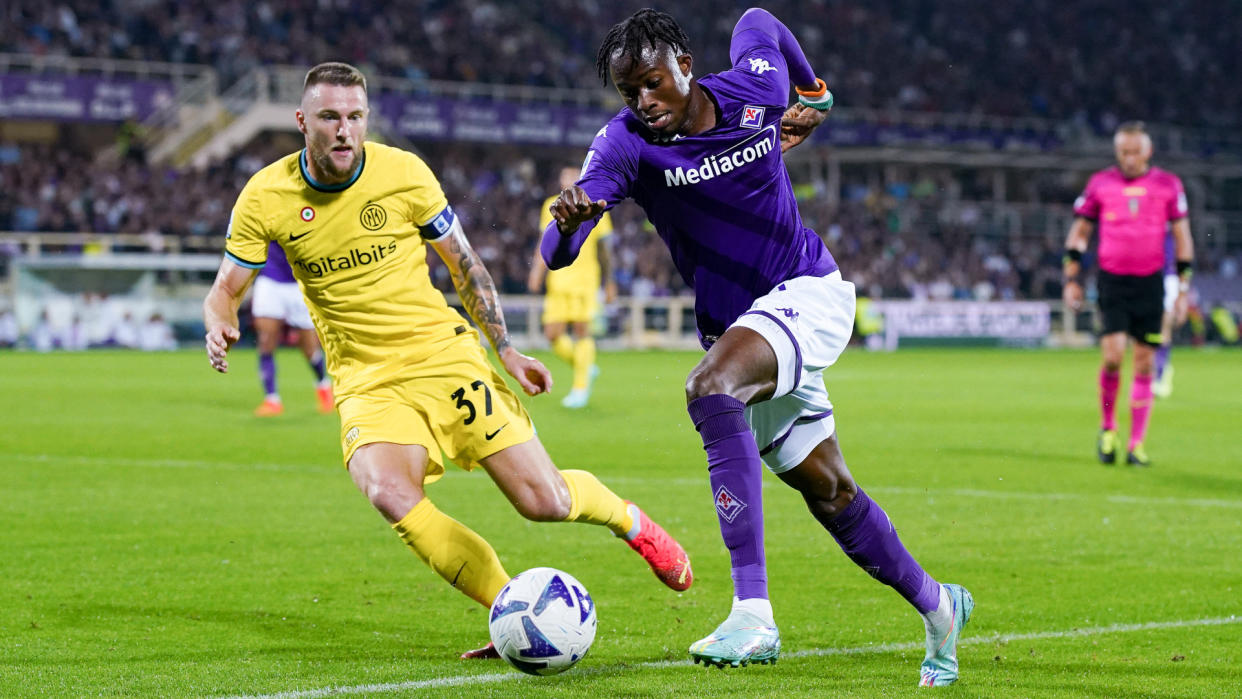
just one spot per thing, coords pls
(459, 407)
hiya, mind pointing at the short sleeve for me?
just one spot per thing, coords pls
(1087, 205)
(1177, 206)
(246, 240)
(428, 207)
(425, 197)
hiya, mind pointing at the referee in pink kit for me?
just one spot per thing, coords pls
(1135, 206)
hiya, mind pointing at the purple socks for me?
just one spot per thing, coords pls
(863, 529)
(735, 470)
(1162, 360)
(267, 371)
(317, 366)
(868, 537)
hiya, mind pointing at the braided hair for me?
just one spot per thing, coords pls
(647, 27)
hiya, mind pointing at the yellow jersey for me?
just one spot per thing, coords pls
(357, 251)
(584, 274)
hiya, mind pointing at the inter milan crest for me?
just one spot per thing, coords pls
(373, 217)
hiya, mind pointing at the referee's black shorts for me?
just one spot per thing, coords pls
(1132, 305)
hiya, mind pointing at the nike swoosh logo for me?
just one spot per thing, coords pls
(488, 437)
(295, 237)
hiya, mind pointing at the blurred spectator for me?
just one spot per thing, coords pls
(126, 332)
(1081, 61)
(156, 335)
(8, 329)
(43, 336)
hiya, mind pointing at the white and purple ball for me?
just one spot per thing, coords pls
(543, 621)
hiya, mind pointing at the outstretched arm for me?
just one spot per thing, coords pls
(759, 29)
(563, 237)
(478, 295)
(220, 311)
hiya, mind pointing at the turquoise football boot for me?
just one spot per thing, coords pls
(940, 666)
(742, 639)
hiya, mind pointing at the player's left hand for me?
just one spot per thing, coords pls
(533, 376)
(798, 123)
(610, 291)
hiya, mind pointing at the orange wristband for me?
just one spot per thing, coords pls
(813, 94)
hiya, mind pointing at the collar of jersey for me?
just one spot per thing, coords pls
(318, 186)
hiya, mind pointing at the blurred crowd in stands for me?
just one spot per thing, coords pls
(1174, 62)
(916, 240)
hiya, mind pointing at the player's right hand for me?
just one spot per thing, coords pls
(1071, 294)
(219, 339)
(573, 207)
(530, 373)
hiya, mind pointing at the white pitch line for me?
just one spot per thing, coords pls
(683, 482)
(494, 678)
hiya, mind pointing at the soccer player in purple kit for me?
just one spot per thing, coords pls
(276, 302)
(1135, 206)
(702, 156)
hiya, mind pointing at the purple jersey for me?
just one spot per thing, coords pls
(721, 200)
(277, 266)
(1170, 256)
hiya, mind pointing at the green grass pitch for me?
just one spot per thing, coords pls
(158, 540)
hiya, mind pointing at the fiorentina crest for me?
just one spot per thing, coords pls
(728, 505)
(752, 117)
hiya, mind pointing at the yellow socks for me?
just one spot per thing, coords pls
(453, 551)
(592, 502)
(564, 348)
(583, 360)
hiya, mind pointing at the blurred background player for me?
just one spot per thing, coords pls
(1133, 204)
(276, 302)
(572, 299)
(414, 387)
(702, 157)
(1162, 386)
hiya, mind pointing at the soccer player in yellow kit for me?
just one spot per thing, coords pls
(573, 298)
(413, 386)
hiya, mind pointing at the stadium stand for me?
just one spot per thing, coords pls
(1064, 61)
(957, 191)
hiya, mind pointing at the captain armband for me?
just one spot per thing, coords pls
(819, 98)
(439, 226)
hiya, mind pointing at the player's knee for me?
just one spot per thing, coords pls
(706, 381)
(390, 492)
(543, 506)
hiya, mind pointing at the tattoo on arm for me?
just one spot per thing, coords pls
(478, 293)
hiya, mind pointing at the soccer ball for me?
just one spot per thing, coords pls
(543, 621)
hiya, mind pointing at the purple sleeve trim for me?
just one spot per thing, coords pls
(800, 71)
(792, 339)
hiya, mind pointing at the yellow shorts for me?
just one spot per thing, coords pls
(452, 403)
(570, 306)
